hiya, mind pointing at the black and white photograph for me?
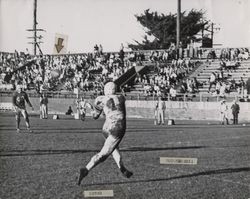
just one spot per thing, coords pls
(125, 99)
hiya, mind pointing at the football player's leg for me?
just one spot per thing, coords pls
(118, 159)
(155, 121)
(43, 111)
(83, 116)
(26, 117)
(158, 117)
(110, 144)
(46, 111)
(221, 118)
(162, 117)
(18, 114)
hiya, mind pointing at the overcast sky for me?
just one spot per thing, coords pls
(110, 22)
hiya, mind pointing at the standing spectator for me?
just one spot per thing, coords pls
(172, 93)
(235, 111)
(161, 111)
(83, 105)
(155, 114)
(224, 112)
(212, 80)
(44, 106)
(223, 89)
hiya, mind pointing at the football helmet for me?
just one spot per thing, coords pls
(109, 88)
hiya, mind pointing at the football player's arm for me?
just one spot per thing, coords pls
(90, 106)
(97, 108)
(14, 102)
(96, 113)
(41, 98)
(27, 100)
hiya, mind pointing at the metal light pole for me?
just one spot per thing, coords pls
(36, 39)
(212, 34)
(178, 23)
(34, 26)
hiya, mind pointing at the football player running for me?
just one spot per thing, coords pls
(113, 130)
(18, 101)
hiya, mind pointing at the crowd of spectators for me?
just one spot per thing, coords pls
(222, 85)
(166, 78)
(234, 54)
(89, 71)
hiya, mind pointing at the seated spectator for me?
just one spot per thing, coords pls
(183, 87)
(172, 93)
(232, 84)
(147, 89)
(218, 87)
(69, 111)
(212, 80)
(222, 89)
(197, 84)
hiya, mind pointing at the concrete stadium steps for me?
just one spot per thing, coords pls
(239, 70)
(236, 79)
(245, 74)
(217, 66)
(204, 71)
(206, 78)
(238, 74)
(205, 93)
(137, 88)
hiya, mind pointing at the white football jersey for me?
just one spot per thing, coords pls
(114, 109)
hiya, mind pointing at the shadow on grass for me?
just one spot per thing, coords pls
(203, 173)
(56, 152)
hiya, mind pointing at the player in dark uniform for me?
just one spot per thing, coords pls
(18, 101)
(113, 130)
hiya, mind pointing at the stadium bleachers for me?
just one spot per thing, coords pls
(204, 72)
(87, 71)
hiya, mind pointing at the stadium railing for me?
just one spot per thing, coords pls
(196, 97)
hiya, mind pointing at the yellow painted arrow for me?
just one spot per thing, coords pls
(59, 45)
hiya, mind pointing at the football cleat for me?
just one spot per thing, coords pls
(18, 131)
(29, 130)
(126, 173)
(83, 173)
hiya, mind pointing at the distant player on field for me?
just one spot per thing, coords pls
(114, 129)
(44, 106)
(82, 106)
(18, 101)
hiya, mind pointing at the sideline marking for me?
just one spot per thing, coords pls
(98, 193)
(174, 160)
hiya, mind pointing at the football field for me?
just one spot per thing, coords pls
(45, 164)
